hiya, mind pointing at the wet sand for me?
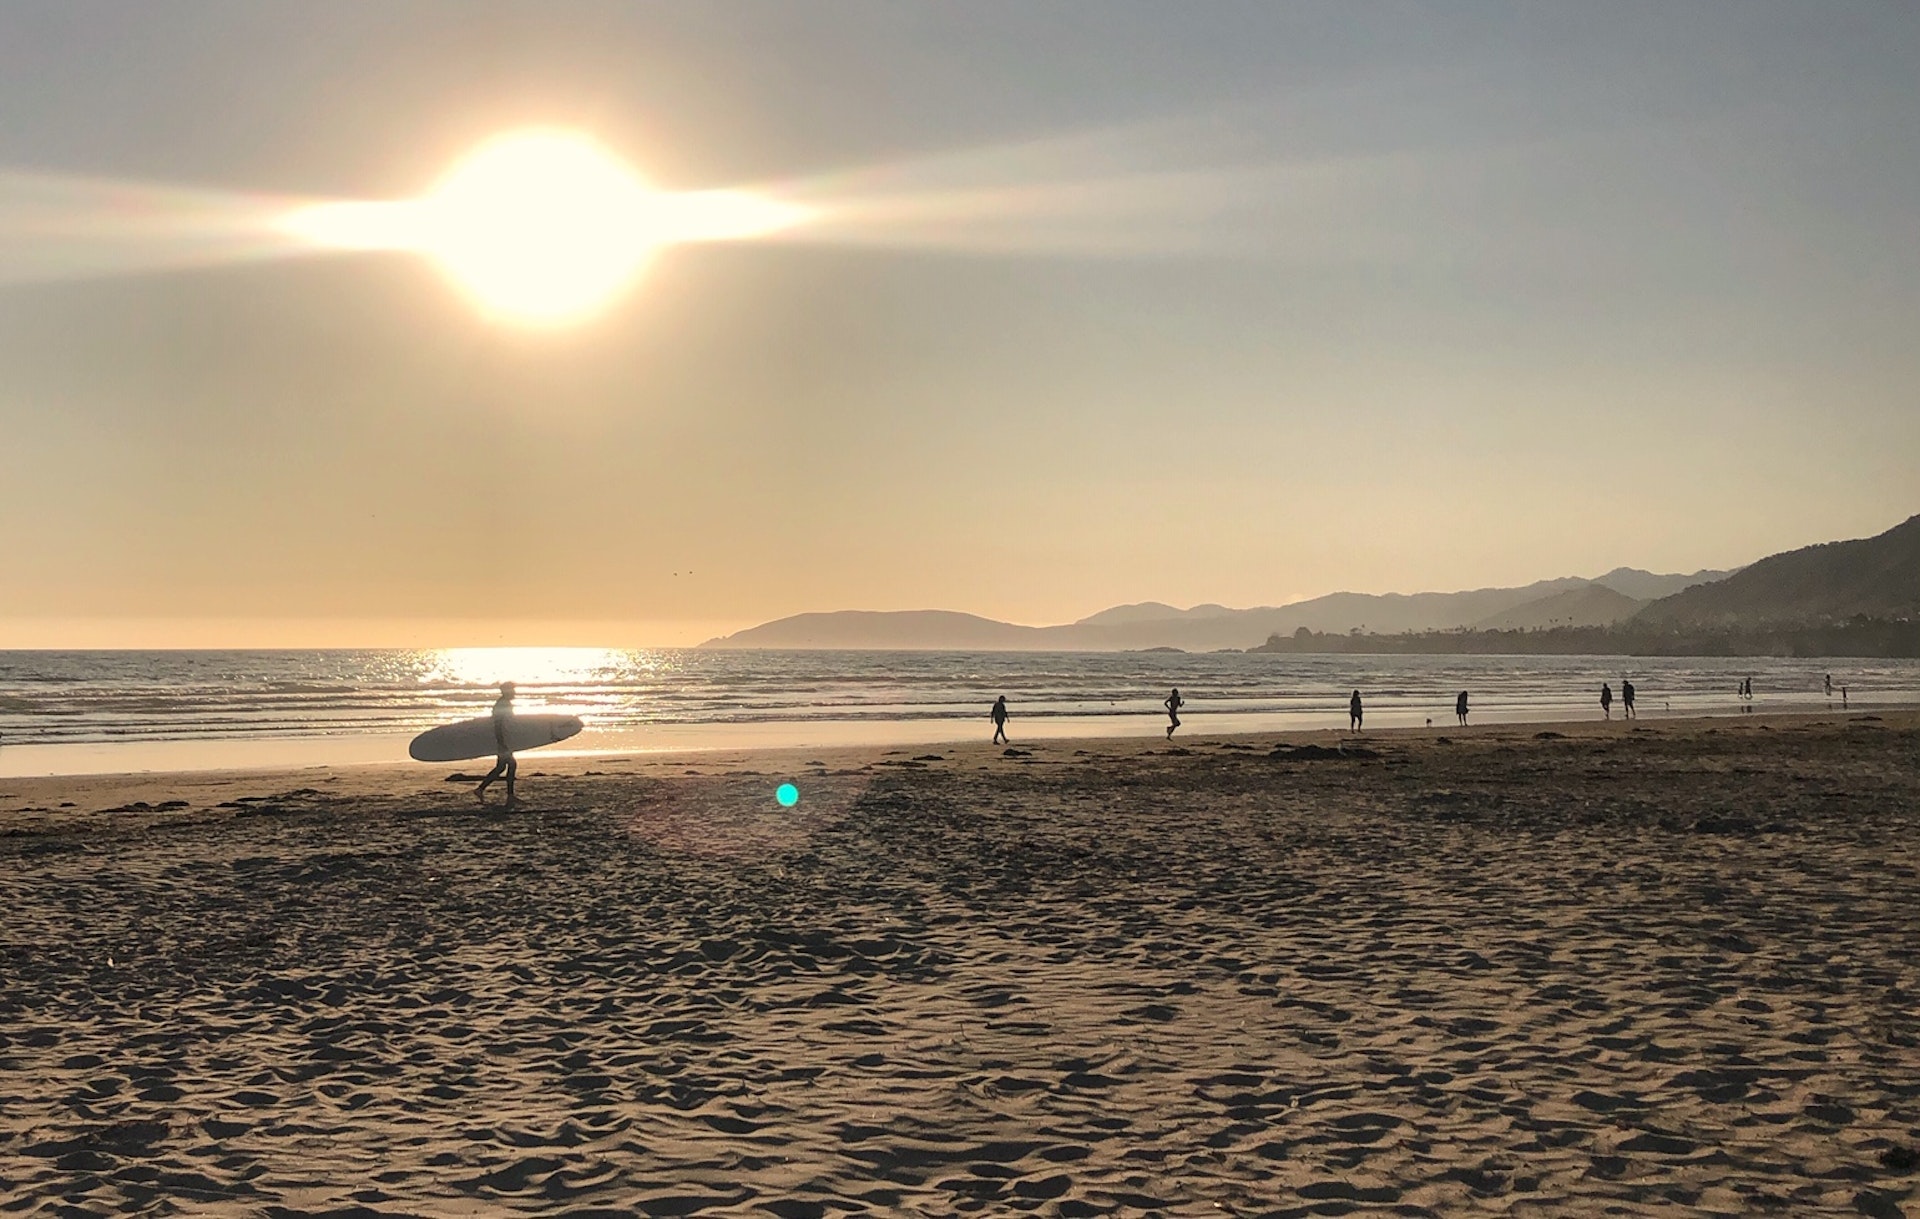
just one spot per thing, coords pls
(1535, 970)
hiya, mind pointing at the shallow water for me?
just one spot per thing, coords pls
(79, 712)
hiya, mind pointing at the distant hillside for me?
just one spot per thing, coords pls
(1876, 577)
(1154, 611)
(1134, 627)
(1789, 604)
(1649, 586)
(1859, 598)
(1855, 637)
(1206, 627)
(1594, 605)
(1388, 613)
(904, 630)
(1202, 628)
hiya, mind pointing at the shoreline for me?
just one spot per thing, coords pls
(100, 713)
(41, 796)
(32, 759)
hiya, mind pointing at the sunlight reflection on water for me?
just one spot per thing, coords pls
(660, 698)
(534, 667)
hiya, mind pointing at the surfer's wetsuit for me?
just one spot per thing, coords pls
(504, 764)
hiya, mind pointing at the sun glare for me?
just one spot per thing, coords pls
(529, 667)
(543, 227)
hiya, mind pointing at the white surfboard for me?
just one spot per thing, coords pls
(474, 738)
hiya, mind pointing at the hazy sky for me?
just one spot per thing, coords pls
(1219, 302)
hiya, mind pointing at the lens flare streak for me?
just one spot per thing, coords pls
(547, 227)
(542, 227)
(538, 227)
(54, 228)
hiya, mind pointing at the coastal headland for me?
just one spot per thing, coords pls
(1540, 969)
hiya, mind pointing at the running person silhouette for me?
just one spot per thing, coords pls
(1173, 704)
(504, 763)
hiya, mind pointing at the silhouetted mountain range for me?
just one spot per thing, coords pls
(1876, 577)
(1858, 598)
(1209, 627)
(906, 630)
(1591, 605)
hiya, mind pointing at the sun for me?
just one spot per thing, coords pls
(541, 227)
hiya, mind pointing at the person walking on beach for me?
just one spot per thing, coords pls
(1173, 704)
(1829, 687)
(1626, 700)
(1460, 708)
(999, 716)
(1606, 701)
(504, 763)
(1354, 712)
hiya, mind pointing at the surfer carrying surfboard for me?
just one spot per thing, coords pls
(503, 763)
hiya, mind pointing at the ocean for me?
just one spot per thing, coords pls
(97, 711)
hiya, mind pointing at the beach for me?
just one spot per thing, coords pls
(1538, 969)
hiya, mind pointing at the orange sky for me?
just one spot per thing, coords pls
(1241, 310)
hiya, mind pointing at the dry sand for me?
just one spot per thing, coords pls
(1671, 969)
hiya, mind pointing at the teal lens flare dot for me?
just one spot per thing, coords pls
(788, 795)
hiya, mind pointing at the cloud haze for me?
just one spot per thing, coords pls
(1107, 303)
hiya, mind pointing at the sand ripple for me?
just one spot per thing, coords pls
(1621, 976)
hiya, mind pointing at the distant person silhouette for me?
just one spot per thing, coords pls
(1173, 704)
(1606, 700)
(504, 764)
(1626, 700)
(1843, 698)
(1829, 685)
(1354, 712)
(999, 714)
(1460, 708)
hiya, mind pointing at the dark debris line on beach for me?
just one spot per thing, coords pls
(1546, 977)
